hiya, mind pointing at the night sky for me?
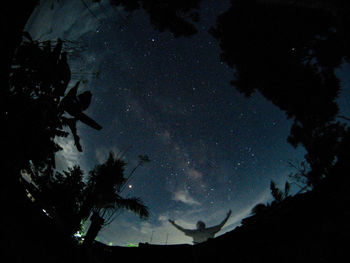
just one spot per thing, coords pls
(211, 148)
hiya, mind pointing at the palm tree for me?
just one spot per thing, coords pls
(278, 194)
(105, 184)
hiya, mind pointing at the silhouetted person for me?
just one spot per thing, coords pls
(202, 233)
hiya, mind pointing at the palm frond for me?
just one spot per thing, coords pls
(133, 204)
(276, 193)
(286, 190)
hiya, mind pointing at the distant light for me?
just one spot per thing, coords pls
(45, 212)
(130, 186)
(78, 234)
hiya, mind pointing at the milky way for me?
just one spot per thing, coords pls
(211, 148)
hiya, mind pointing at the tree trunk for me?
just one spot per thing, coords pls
(95, 227)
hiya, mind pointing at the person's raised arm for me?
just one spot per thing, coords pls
(177, 226)
(217, 228)
(225, 220)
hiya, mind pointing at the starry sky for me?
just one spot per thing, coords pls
(211, 148)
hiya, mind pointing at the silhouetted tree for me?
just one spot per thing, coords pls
(36, 105)
(32, 117)
(176, 16)
(288, 51)
(105, 184)
(61, 195)
(70, 201)
(322, 144)
(278, 194)
(300, 176)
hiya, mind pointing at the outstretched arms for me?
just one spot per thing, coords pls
(207, 231)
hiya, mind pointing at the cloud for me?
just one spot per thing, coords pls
(184, 196)
(69, 155)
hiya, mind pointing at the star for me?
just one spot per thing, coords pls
(148, 87)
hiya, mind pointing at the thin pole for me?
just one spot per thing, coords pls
(151, 237)
(166, 241)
